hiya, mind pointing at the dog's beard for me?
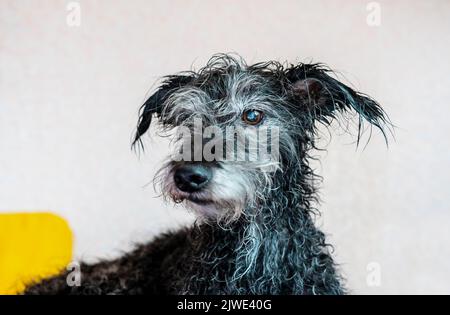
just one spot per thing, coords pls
(224, 199)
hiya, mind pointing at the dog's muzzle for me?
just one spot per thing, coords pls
(192, 177)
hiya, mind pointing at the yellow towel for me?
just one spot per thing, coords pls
(32, 246)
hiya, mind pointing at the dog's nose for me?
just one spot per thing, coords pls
(192, 177)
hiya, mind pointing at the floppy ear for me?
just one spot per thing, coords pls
(325, 98)
(155, 103)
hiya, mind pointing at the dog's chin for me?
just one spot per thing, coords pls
(203, 207)
(208, 208)
(199, 201)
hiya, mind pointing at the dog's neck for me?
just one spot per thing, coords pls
(278, 250)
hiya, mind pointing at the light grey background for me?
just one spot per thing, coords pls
(69, 98)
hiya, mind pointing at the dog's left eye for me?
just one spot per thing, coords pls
(252, 116)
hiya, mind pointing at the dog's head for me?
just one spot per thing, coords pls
(241, 126)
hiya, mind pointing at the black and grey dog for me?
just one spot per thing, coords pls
(255, 232)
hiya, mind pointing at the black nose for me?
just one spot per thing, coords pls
(192, 177)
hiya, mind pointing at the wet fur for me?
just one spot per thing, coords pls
(268, 244)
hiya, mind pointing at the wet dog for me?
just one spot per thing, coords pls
(243, 136)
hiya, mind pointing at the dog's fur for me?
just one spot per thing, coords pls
(255, 232)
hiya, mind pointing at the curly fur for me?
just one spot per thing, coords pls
(259, 237)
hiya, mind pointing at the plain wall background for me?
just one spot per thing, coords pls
(69, 98)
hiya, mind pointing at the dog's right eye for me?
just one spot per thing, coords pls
(252, 117)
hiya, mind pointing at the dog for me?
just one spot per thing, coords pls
(254, 232)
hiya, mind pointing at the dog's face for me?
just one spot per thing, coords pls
(238, 127)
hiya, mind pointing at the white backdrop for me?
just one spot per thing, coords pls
(69, 97)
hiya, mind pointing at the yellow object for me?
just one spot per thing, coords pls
(32, 246)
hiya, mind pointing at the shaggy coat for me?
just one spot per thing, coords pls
(257, 235)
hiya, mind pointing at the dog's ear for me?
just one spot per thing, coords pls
(324, 97)
(154, 104)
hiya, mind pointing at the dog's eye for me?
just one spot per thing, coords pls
(252, 116)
